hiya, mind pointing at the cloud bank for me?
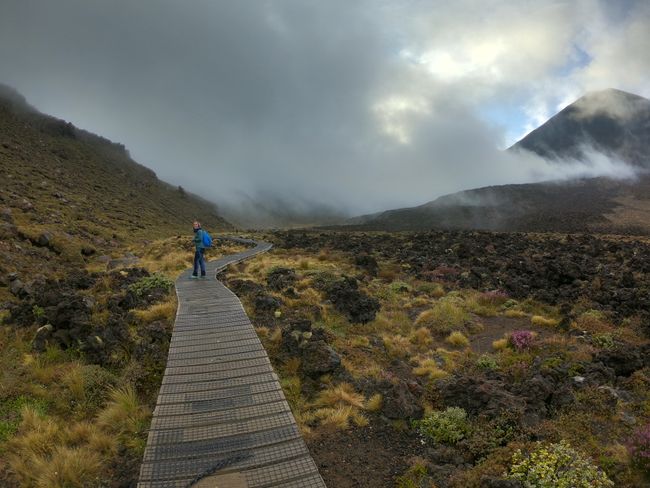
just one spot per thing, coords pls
(339, 107)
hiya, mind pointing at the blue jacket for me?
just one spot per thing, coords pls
(198, 239)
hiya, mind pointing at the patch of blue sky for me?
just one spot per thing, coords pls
(510, 119)
(579, 59)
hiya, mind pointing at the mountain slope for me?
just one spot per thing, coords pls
(589, 205)
(611, 121)
(70, 181)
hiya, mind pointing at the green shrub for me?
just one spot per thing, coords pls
(491, 434)
(399, 287)
(148, 284)
(604, 341)
(38, 311)
(446, 315)
(487, 361)
(556, 465)
(10, 413)
(445, 426)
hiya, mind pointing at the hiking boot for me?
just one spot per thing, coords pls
(203, 277)
(194, 277)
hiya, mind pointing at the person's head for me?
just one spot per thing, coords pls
(196, 225)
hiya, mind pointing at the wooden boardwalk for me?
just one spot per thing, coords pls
(221, 420)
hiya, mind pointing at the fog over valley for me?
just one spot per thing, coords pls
(311, 111)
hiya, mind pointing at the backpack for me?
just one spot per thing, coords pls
(207, 240)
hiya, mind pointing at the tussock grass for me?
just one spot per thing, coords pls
(515, 314)
(159, 311)
(342, 394)
(500, 344)
(445, 315)
(52, 453)
(339, 405)
(359, 341)
(429, 367)
(457, 339)
(541, 321)
(421, 337)
(74, 380)
(592, 321)
(434, 290)
(374, 403)
(397, 346)
(126, 417)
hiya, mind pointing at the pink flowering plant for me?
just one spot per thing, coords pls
(521, 340)
(639, 448)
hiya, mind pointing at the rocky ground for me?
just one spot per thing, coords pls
(537, 338)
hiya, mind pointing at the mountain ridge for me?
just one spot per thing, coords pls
(581, 205)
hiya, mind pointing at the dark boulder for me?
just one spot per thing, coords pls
(317, 357)
(264, 303)
(347, 299)
(42, 337)
(280, 278)
(624, 361)
(245, 287)
(5, 214)
(399, 402)
(367, 263)
(126, 261)
(480, 396)
(44, 239)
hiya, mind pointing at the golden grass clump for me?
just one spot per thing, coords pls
(90, 434)
(374, 403)
(421, 337)
(542, 321)
(74, 380)
(339, 404)
(292, 365)
(457, 339)
(500, 344)
(74, 467)
(48, 453)
(359, 341)
(159, 311)
(515, 314)
(342, 394)
(125, 416)
(592, 321)
(445, 315)
(397, 346)
(429, 367)
(435, 290)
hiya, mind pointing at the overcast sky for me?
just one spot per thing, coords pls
(360, 105)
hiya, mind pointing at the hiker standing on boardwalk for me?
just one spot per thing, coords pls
(199, 254)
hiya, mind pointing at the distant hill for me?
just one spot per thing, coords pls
(587, 205)
(65, 180)
(611, 121)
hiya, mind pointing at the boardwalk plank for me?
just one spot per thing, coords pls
(221, 417)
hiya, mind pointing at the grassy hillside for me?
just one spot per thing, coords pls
(84, 332)
(82, 188)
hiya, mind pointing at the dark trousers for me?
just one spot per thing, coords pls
(199, 260)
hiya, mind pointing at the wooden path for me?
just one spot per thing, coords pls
(221, 420)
